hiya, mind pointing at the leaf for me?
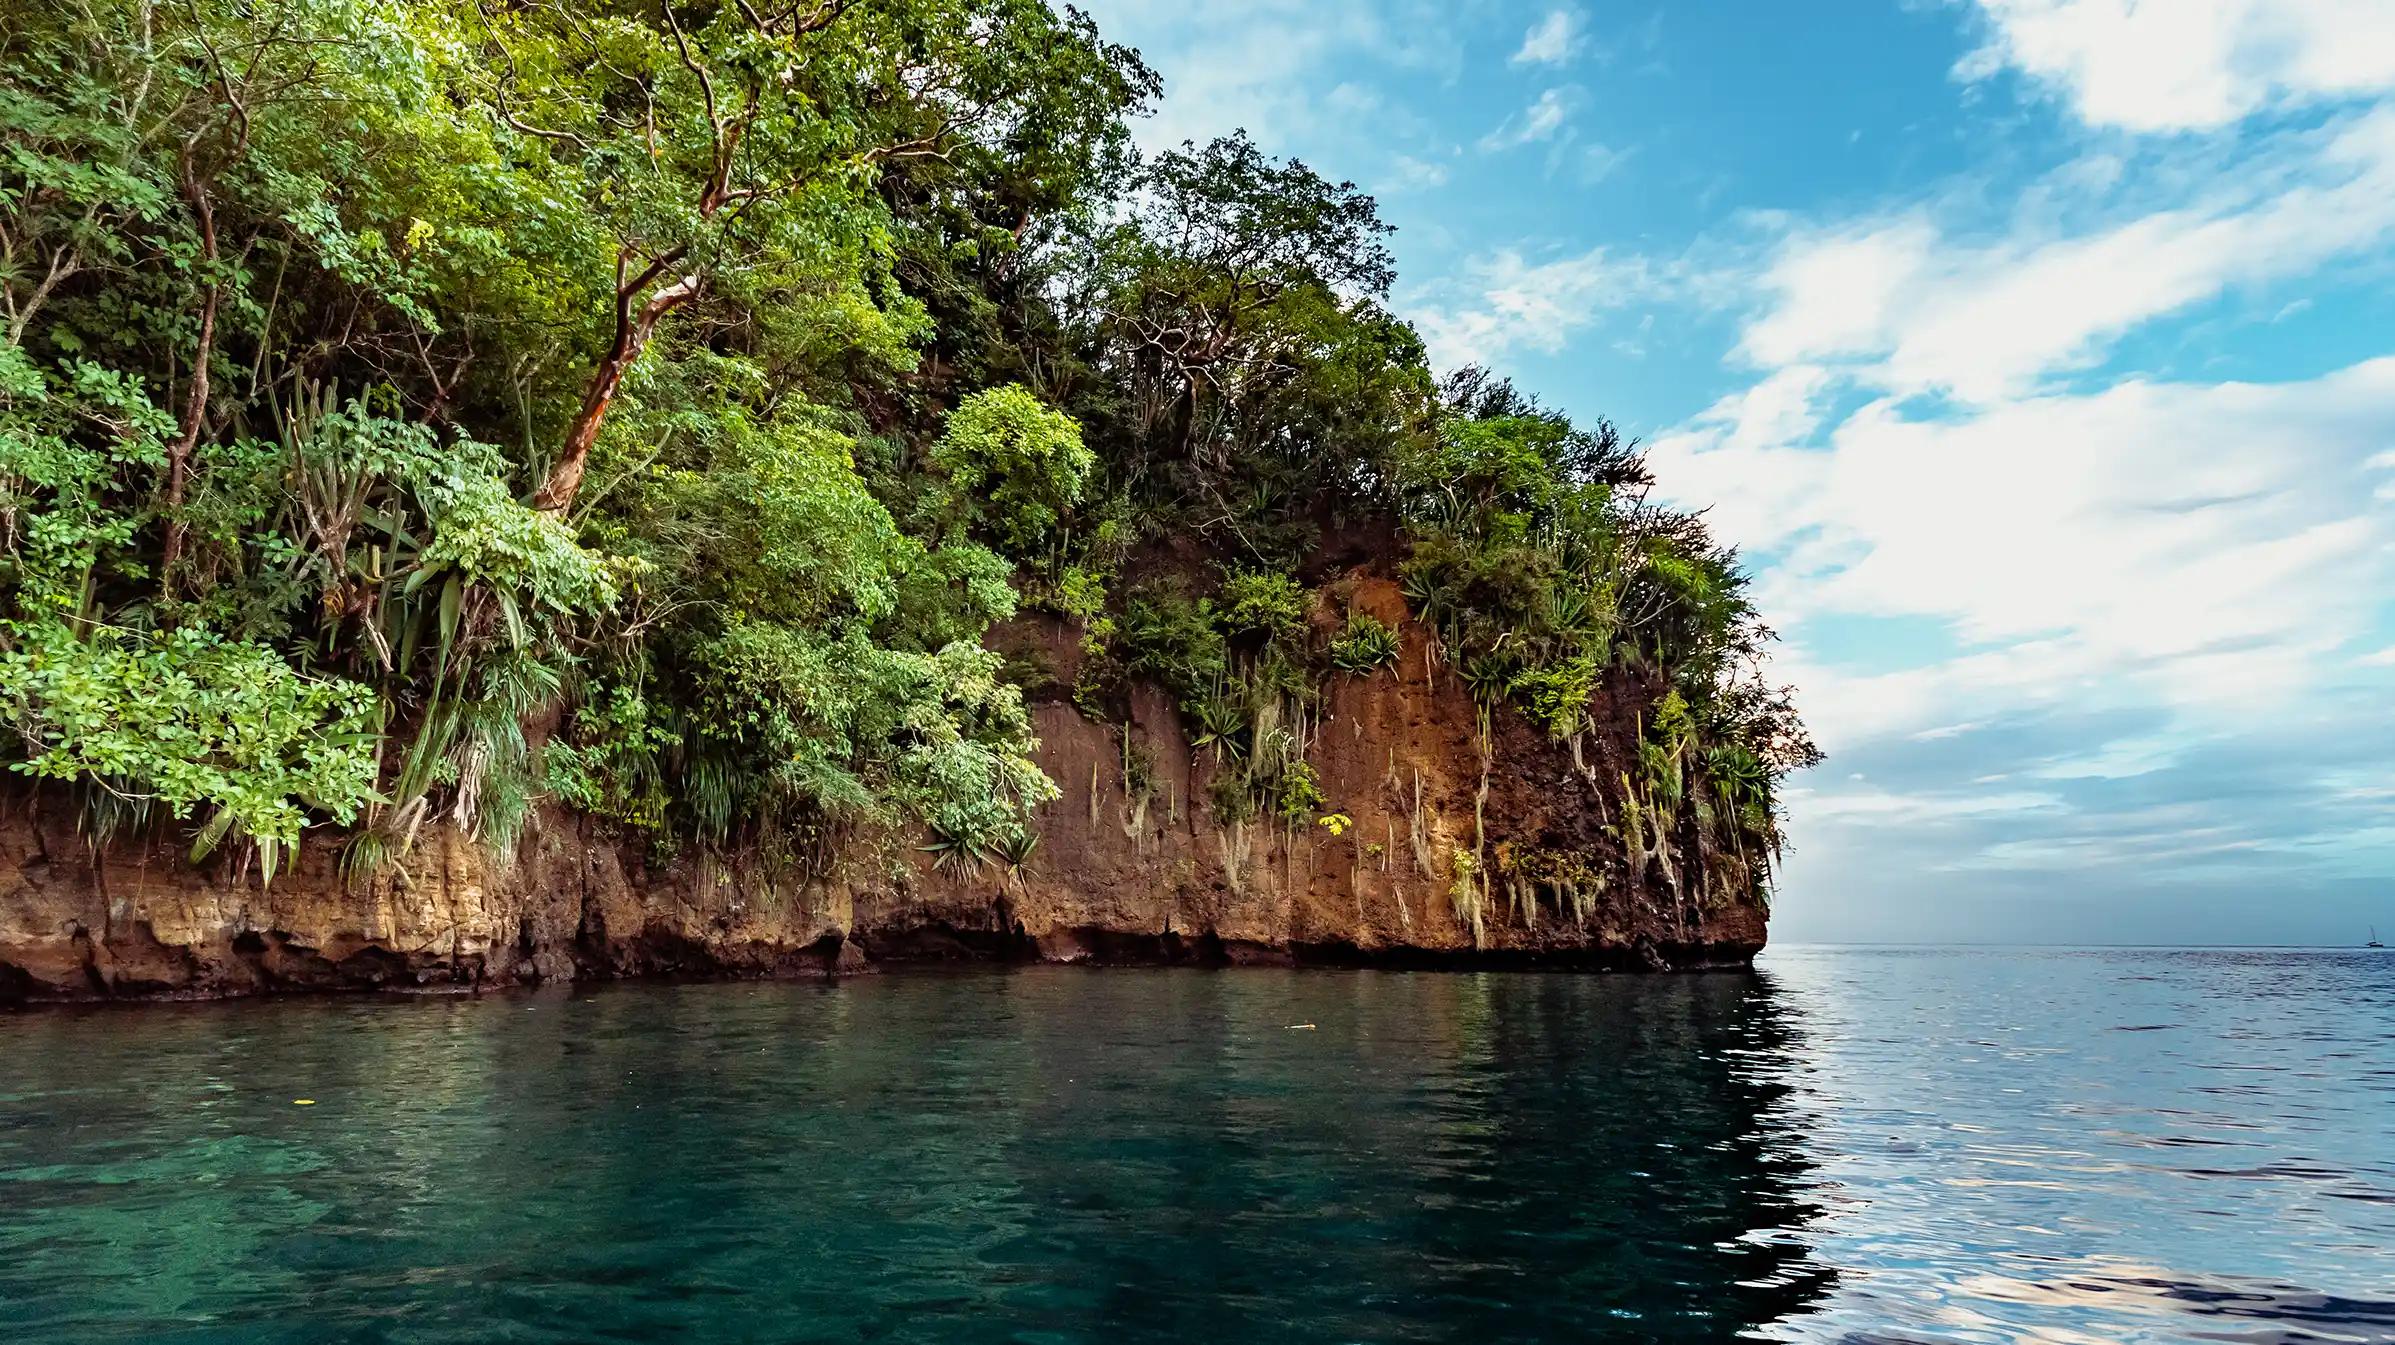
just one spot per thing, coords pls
(453, 595)
(516, 634)
(211, 834)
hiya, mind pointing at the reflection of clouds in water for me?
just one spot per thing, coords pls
(2104, 1290)
(2070, 1146)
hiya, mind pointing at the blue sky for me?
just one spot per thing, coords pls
(2040, 354)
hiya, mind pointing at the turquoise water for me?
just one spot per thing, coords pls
(1851, 1145)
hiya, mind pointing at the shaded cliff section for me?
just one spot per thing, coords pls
(1130, 869)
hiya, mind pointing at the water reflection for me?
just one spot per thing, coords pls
(1852, 1146)
(2115, 1145)
(1032, 1156)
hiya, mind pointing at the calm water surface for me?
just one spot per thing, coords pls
(1849, 1145)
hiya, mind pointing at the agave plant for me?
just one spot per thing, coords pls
(1430, 597)
(1738, 775)
(1014, 851)
(1222, 720)
(1364, 645)
(1487, 676)
(955, 854)
(1568, 610)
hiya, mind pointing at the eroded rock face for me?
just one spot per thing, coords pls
(1130, 869)
(570, 904)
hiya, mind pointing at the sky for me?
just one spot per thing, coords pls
(2038, 354)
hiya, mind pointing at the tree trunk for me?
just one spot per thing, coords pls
(195, 395)
(632, 333)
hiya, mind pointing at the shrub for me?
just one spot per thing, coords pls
(1262, 605)
(195, 722)
(1016, 464)
(1298, 792)
(1173, 638)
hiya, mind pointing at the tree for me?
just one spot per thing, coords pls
(1015, 466)
(385, 387)
(742, 139)
(1227, 267)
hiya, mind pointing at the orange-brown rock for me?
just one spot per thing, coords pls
(1130, 868)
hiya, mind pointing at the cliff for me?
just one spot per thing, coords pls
(1456, 850)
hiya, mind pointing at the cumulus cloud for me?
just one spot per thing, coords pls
(2182, 65)
(2158, 543)
(2136, 624)
(2144, 544)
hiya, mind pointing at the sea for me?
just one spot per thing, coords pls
(1847, 1144)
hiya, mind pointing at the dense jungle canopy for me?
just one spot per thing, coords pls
(412, 410)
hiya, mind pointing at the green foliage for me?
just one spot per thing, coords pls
(1014, 850)
(1262, 607)
(1230, 798)
(700, 381)
(1467, 896)
(1081, 594)
(1557, 696)
(1176, 640)
(524, 556)
(610, 761)
(1015, 466)
(1364, 645)
(68, 434)
(1297, 793)
(193, 722)
(797, 725)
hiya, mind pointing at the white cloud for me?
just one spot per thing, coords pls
(1505, 303)
(1783, 408)
(2165, 547)
(2171, 842)
(1263, 64)
(2152, 589)
(1838, 294)
(1884, 806)
(1539, 121)
(2120, 759)
(1408, 173)
(1915, 311)
(2178, 65)
(1598, 162)
(2203, 549)
(1550, 41)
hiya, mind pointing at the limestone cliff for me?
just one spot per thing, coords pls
(1461, 847)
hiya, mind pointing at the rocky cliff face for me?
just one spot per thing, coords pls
(1457, 850)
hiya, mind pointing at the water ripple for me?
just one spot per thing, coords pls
(1852, 1145)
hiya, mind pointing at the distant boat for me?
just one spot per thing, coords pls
(2374, 943)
